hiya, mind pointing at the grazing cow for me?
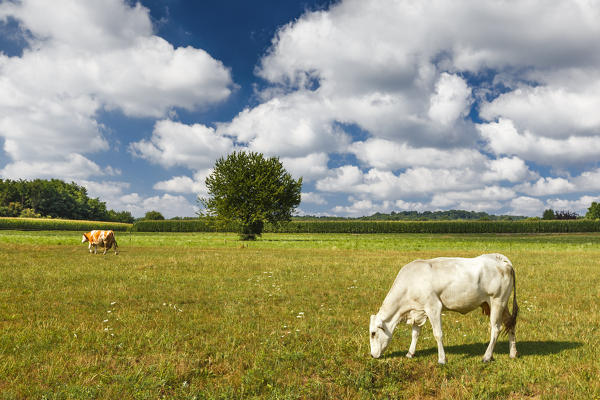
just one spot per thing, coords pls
(424, 288)
(104, 239)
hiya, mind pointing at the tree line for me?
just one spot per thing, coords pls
(55, 199)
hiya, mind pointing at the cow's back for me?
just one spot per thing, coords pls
(462, 284)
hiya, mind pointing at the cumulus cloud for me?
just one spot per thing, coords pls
(546, 186)
(511, 169)
(504, 139)
(73, 167)
(487, 199)
(313, 198)
(174, 143)
(451, 99)
(311, 167)
(85, 57)
(290, 126)
(117, 196)
(185, 184)
(381, 184)
(525, 205)
(388, 154)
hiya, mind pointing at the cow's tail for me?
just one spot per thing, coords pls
(511, 322)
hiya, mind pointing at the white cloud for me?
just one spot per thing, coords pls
(74, 167)
(451, 99)
(511, 169)
(524, 205)
(343, 179)
(503, 138)
(185, 184)
(588, 181)
(173, 143)
(83, 57)
(313, 198)
(549, 111)
(359, 208)
(385, 185)
(486, 199)
(388, 154)
(546, 186)
(295, 125)
(169, 205)
(117, 197)
(311, 167)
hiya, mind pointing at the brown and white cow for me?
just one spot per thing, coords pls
(100, 238)
(424, 288)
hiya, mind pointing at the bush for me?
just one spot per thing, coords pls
(29, 213)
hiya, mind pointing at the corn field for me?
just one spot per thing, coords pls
(316, 226)
(43, 224)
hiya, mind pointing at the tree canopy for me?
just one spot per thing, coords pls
(593, 211)
(154, 216)
(247, 189)
(54, 198)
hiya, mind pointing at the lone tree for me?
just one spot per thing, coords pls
(154, 216)
(548, 214)
(247, 190)
(593, 211)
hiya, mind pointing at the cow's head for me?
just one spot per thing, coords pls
(85, 238)
(380, 336)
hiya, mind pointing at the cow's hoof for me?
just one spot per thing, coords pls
(409, 355)
(442, 362)
(487, 360)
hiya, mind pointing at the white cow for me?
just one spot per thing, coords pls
(424, 288)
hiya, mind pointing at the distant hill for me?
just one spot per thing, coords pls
(448, 215)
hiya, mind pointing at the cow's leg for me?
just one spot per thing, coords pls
(116, 247)
(512, 341)
(496, 311)
(416, 329)
(434, 312)
(90, 247)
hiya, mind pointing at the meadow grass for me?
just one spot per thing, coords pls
(207, 316)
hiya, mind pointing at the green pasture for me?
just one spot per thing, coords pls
(203, 316)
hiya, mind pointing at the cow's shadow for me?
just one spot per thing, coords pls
(525, 348)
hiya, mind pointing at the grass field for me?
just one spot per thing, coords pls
(206, 316)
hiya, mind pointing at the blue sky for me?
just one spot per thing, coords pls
(378, 105)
